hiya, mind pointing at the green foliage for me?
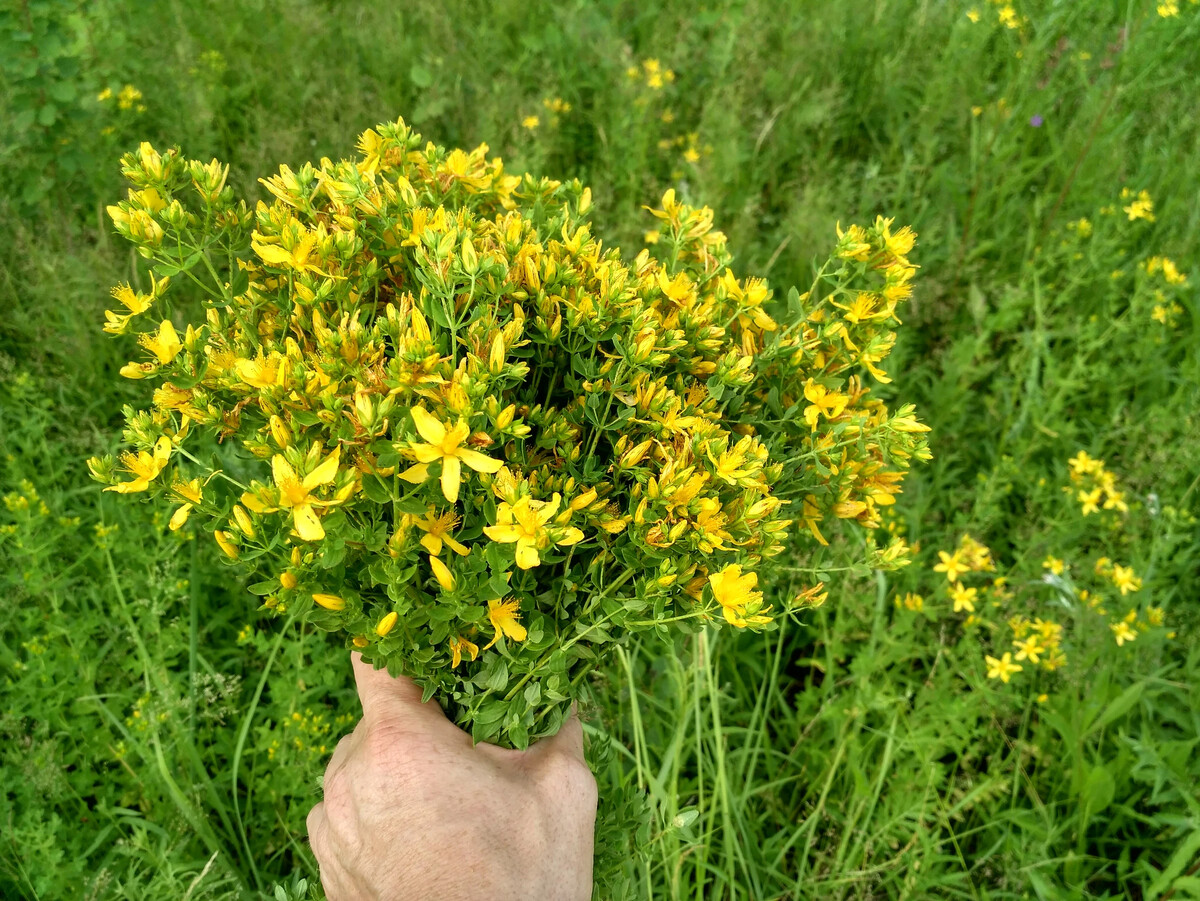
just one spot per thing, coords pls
(860, 753)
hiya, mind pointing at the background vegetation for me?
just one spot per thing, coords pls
(160, 739)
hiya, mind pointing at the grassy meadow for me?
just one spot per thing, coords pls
(1016, 714)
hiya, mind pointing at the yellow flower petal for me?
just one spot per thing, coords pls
(527, 555)
(307, 523)
(451, 475)
(428, 426)
(477, 461)
(326, 472)
(416, 474)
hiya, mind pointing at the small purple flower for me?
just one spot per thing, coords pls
(1035, 121)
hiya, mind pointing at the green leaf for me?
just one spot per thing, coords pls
(1118, 708)
(1098, 790)
(421, 76)
(376, 489)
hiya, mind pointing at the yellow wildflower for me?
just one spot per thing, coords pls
(1124, 579)
(1122, 632)
(164, 344)
(1142, 207)
(963, 597)
(736, 595)
(458, 644)
(1003, 668)
(437, 532)
(445, 446)
(144, 466)
(822, 401)
(295, 493)
(1054, 565)
(530, 122)
(952, 565)
(191, 494)
(1029, 649)
(226, 545)
(525, 523)
(505, 616)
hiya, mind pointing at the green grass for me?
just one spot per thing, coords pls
(154, 747)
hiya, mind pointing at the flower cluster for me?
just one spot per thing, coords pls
(1094, 486)
(1027, 617)
(426, 406)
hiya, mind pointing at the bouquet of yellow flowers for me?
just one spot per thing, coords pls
(441, 419)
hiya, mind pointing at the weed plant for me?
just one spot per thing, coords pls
(153, 744)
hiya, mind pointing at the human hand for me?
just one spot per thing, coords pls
(413, 810)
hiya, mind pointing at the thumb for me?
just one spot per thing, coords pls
(386, 696)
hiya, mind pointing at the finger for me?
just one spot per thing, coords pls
(317, 830)
(386, 696)
(340, 754)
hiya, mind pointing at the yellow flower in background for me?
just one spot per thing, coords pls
(446, 447)
(651, 237)
(1124, 579)
(1089, 501)
(1029, 649)
(963, 597)
(973, 15)
(458, 645)
(1054, 565)
(128, 97)
(952, 565)
(144, 466)
(1169, 9)
(530, 122)
(1140, 207)
(296, 494)
(505, 616)
(1122, 632)
(1002, 668)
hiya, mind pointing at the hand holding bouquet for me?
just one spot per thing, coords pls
(430, 411)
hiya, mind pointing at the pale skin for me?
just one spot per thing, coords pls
(414, 810)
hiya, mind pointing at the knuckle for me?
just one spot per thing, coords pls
(566, 772)
(336, 784)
